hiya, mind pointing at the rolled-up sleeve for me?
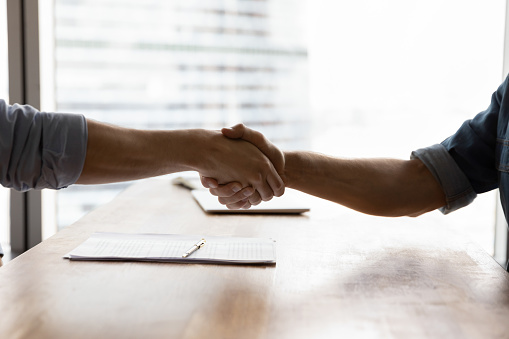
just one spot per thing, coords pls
(465, 164)
(455, 184)
(40, 150)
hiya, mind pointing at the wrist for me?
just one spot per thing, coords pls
(191, 145)
(292, 168)
(200, 149)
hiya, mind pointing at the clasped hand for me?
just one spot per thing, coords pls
(244, 194)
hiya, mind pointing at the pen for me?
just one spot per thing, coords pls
(195, 247)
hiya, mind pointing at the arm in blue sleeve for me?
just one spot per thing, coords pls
(465, 163)
(40, 150)
(456, 186)
(473, 146)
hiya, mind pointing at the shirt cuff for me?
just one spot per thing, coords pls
(63, 150)
(457, 188)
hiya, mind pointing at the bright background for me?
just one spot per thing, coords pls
(389, 77)
(361, 78)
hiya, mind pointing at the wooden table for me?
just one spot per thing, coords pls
(334, 278)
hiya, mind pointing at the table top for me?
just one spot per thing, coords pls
(334, 277)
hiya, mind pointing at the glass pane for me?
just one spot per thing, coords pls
(178, 64)
(389, 77)
(385, 78)
(4, 94)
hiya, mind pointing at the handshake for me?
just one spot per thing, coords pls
(244, 180)
(242, 168)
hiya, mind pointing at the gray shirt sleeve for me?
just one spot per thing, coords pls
(40, 150)
(457, 188)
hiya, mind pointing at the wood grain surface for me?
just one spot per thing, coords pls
(334, 278)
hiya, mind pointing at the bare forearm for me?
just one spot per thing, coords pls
(385, 187)
(119, 154)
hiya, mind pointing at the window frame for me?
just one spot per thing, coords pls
(24, 87)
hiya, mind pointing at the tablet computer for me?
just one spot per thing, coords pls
(287, 204)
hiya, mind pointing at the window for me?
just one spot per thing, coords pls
(176, 64)
(390, 77)
(4, 94)
(361, 79)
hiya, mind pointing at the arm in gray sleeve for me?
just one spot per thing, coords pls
(455, 184)
(40, 150)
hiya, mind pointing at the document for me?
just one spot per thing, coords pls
(175, 248)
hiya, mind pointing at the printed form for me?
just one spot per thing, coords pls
(172, 247)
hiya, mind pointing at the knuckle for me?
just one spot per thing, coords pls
(226, 193)
(245, 193)
(258, 137)
(257, 178)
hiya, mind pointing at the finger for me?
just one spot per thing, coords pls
(208, 182)
(242, 195)
(234, 132)
(255, 199)
(259, 140)
(226, 190)
(277, 184)
(264, 190)
(240, 131)
(246, 206)
(238, 205)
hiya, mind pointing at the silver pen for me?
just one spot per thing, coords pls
(195, 247)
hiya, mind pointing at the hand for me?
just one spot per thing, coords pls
(229, 161)
(120, 154)
(275, 155)
(231, 194)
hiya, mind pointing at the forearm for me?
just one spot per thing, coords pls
(384, 187)
(119, 154)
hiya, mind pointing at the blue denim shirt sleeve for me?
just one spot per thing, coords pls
(40, 150)
(468, 162)
(457, 188)
(474, 146)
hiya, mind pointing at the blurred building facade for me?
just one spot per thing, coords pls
(173, 64)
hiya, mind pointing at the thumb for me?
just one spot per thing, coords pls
(235, 132)
(208, 182)
(257, 139)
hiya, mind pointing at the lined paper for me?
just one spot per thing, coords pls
(170, 247)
